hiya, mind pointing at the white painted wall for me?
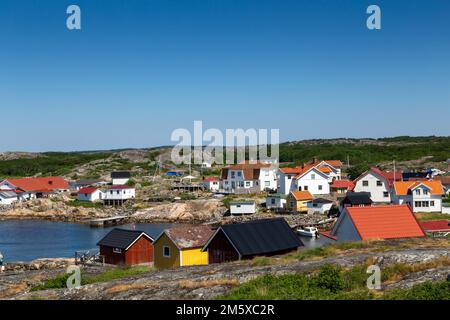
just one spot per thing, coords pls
(313, 181)
(120, 182)
(377, 192)
(428, 202)
(285, 182)
(268, 178)
(212, 185)
(242, 208)
(275, 202)
(91, 197)
(320, 207)
(120, 194)
(4, 201)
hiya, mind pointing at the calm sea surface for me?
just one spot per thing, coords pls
(25, 240)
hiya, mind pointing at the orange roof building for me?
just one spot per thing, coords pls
(36, 184)
(422, 196)
(378, 222)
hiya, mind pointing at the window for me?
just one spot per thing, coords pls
(379, 183)
(247, 183)
(292, 204)
(385, 194)
(320, 187)
(425, 191)
(305, 188)
(272, 201)
(238, 206)
(418, 192)
(239, 173)
(289, 177)
(300, 188)
(315, 205)
(166, 252)
(111, 192)
(365, 183)
(313, 176)
(417, 204)
(117, 250)
(118, 192)
(425, 204)
(431, 203)
(267, 183)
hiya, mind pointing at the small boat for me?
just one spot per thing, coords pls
(308, 231)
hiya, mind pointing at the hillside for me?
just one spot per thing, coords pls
(409, 153)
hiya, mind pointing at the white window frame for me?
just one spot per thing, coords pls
(117, 250)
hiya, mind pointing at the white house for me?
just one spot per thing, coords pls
(118, 194)
(275, 201)
(319, 205)
(421, 196)
(206, 165)
(90, 194)
(242, 207)
(249, 177)
(331, 169)
(35, 187)
(120, 177)
(312, 180)
(212, 184)
(7, 197)
(378, 183)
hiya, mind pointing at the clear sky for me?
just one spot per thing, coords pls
(139, 69)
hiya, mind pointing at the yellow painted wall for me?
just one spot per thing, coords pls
(161, 262)
(193, 257)
(299, 206)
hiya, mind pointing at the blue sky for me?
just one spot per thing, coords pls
(140, 69)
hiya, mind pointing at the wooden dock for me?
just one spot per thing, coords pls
(107, 221)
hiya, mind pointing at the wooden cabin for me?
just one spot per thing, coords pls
(265, 237)
(126, 247)
(181, 246)
(298, 201)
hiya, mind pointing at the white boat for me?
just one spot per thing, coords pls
(308, 231)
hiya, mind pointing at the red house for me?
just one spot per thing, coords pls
(127, 247)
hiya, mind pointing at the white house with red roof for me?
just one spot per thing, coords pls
(8, 197)
(422, 196)
(211, 183)
(313, 180)
(35, 187)
(378, 222)
(90, 194)
(378, 183)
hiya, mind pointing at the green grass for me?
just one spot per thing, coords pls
(332, 283)
(49, 163)
(84, 204)
(60, 281)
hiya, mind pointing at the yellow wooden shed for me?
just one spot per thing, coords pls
(181, 246)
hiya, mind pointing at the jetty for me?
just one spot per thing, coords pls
(107, 221)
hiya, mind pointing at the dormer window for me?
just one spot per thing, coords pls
(418, 192)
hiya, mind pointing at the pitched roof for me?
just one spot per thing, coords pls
(414, 175)
(385, 222)
(445, 180)
(251, 170)
(87, 182)
(322, 200)
(87, 190)
(402, 187)
(8, 193)
(435, 225)
(40, 183)
(295, 170)
(389, 176)
(120, 174)
(122, 238)
(302, 195)
(343, 184)
(189, 236)
(210, 179)
(260, 236)
(356, 198)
